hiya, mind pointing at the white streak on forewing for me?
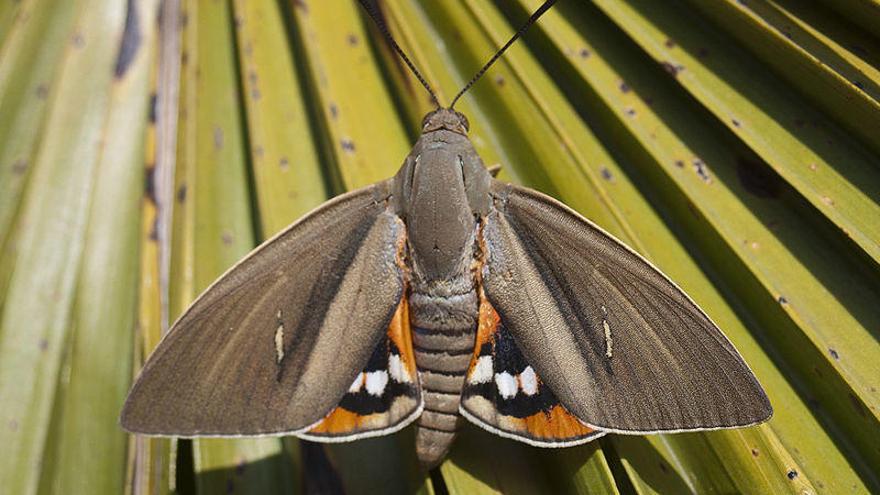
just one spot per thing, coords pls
(607, 328)
(529, 381)
(482, 372)
(356, 384)
(398, 369)
(279, 343)
(376, 381)
(507, 385)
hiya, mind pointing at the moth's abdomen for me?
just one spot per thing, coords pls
(444, 323)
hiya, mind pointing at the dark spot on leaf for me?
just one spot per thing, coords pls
(154, 102)
(258, 151)
(238, 22)
(42, 91)
(584, 53)
(284, 163)
(255, 94)
(664, 468)
(624, 87)
(150, 183)
(792, 474)
(181, 193)
(755, 452)
(218, 137)
(673, 70)
(606, 174)
(352, 39)
(499, 80)
(782, 300)
(78, 40)
(226, 237)
(834, 353)
(702, 170)
(131, 39)
(13, 425)
(758, 178)
(735, 122)
(43, 344)
(630, 111)
(347, 145)
(154, 230)
(248, 49)
(20, 166)
(252, 76)
(184, 57)
(184, 19)
(334, 112)
(669, 43)
(679, 163)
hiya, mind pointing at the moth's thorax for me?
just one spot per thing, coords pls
(443, 191)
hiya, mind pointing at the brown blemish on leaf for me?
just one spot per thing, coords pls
(833, 353)
(42, 91)
(499, 80)
(238, 22)
(20, 166)
(255, 94)
(352, 39)
(131, 40)
(630, 112)
(218, 137)
(284, 163)
(606, 174)
(43, 344)
(227, 237)
(252, 76)
(181, 193)
(584, 53)
(624, 87)
(702, 170)
(258, 151)
(150, 183)
(792, 474)
(347, 145)
(13, 425)
(669, 43)
(154, 105)
(755, 453)
(334, 111)
(827, 200)
(757, 178)
(679, 163)
(672, 69)
(782, 300)
(735, 122)
(78, 40)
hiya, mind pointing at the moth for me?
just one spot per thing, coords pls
(438, 294)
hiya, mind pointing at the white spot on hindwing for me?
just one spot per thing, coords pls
(482, 372)
(528, 380)
(607, 328)
(356, 384)
(376, 381)
(506, 384)
(397, 369)
(279, 344)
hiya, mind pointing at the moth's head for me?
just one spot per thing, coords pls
(445, 118)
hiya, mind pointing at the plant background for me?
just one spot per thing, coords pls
(734, 143)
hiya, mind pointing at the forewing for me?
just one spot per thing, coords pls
(384, 397)
(504, 394)
(620, 345)
(273, 345)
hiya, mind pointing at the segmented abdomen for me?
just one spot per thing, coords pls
(444, 325)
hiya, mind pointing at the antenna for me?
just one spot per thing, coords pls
(380, 23)
(538, 13)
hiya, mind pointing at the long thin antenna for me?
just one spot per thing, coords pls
(380, 23)
(538, 13)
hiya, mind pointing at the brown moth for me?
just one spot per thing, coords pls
(437, 294)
